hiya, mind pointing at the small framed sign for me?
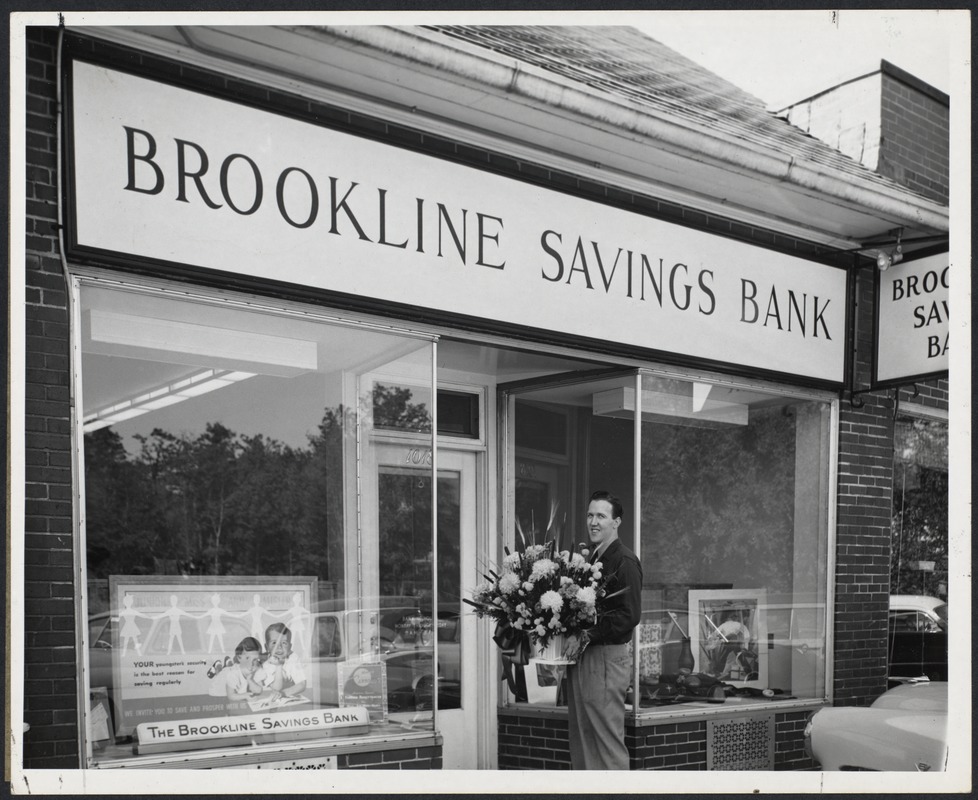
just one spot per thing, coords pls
(364, 684)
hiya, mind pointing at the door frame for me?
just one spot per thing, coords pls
(483, 717)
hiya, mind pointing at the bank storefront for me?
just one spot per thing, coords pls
(322, 377)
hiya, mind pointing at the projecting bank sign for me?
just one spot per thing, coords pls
(912, 320)
(168, 175)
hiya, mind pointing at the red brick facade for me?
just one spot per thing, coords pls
(50, 656)
(915, 140)
(528, 741)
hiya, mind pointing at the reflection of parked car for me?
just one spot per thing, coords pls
(401, 637)
(917, 644)
(918, 612)
(905, 729)
(101, 636)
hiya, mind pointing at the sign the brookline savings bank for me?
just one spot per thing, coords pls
(167, 174)
(912, 324)
(215, 731)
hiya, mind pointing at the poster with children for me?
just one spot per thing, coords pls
(216, 646)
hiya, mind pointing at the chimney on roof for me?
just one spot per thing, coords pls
(890, 122)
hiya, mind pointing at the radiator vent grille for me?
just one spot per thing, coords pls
(741, 743)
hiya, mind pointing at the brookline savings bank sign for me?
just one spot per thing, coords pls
(171, 175)
(217, 731)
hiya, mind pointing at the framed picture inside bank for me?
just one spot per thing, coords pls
(728, 634)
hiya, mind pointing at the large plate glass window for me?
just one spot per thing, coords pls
(918, 621)
(236, 591)
(728, 512)
(920, 497)
(735, 498)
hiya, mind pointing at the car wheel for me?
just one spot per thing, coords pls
(424, 693)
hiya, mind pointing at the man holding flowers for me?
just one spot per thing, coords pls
(598, 681)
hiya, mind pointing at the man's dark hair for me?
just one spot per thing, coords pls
(601, 494)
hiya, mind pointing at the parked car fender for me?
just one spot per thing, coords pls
(903, 730)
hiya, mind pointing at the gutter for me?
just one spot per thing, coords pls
(484, 67)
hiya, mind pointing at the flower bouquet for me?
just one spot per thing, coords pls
(542, 594)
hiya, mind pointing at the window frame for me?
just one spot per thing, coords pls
(508, 473)
(78, 279)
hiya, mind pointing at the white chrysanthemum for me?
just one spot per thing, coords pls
(542, 568)
(552, 601)
(481, 592)
(528, 586)
(540, 630)
(511, 562)
(587, 596)
(577, 560)
(509, 583)
(564, 580)
(535, 551)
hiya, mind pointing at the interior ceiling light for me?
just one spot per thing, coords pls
(200, 383)
(119, 333)
(695, 409)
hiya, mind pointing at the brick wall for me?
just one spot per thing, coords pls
(890, 122)
(50, 670)
(865, 500)
(863, 524)
(540, 742)
(407, 758)
(673, 746)
(789, 745)
(915, 134)
(532, 742)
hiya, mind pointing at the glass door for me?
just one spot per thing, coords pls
(405, 559)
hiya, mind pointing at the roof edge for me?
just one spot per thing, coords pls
(508, 75)
(912, 80)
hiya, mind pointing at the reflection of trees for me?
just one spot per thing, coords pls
(720, 502)
(394, 410)
(224, 503)
(920, 502)
(405, 531)
(405, 535)
(449, 538)
(120, 502)
(216, 502)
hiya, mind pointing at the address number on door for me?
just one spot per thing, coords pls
(415, 456)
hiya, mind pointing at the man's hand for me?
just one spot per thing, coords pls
(574, 646)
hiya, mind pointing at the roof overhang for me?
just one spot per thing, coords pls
(424, 80)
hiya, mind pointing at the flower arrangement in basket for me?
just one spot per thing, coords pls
(541, 593)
